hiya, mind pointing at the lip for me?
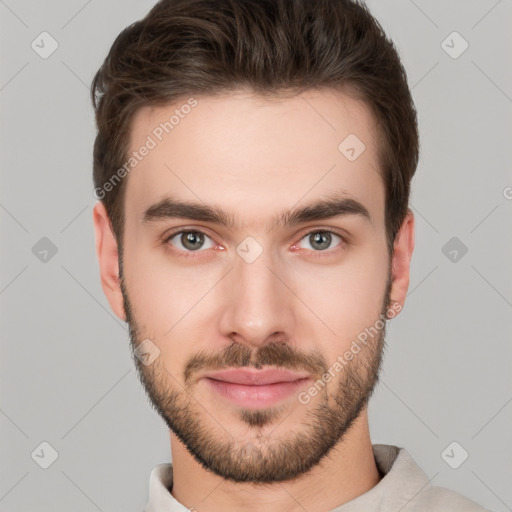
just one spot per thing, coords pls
(254, 377)
(255, 389)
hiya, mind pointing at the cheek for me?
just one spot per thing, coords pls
(348, 297)
(161, 289)
(166, 301)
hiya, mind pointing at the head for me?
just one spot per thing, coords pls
(253, 161)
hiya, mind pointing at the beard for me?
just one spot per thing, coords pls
(267, 459)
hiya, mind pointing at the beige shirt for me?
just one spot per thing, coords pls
(404, 488)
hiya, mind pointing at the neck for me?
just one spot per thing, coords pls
(348, 471)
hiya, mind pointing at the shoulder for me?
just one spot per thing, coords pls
(407, 487)
(440, 498)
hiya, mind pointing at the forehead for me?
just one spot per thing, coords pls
(254, 156)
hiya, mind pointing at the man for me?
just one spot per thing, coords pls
(253, 162)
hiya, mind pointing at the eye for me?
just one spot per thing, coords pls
(189, 241)
(186, 242)
(320, 240)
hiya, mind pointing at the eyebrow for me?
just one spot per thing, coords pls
(333, 206)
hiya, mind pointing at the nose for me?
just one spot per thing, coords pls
(257, 301)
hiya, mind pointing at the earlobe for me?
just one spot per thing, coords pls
(108, 259)
(401, 261)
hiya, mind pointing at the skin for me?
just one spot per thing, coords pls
(296, 305)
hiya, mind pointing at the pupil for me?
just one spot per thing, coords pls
(322, 235)
(190, 238)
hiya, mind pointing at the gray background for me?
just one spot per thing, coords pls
(66, 373)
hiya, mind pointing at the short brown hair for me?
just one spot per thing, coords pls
(206, 47)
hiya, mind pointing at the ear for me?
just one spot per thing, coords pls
(401, 261)
(108, 258)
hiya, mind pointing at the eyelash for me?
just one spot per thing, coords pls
(195, 254)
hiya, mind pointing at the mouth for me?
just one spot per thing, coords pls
(255, 389)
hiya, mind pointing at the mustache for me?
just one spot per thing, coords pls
(282, 355)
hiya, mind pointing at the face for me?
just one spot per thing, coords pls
(252, 279)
